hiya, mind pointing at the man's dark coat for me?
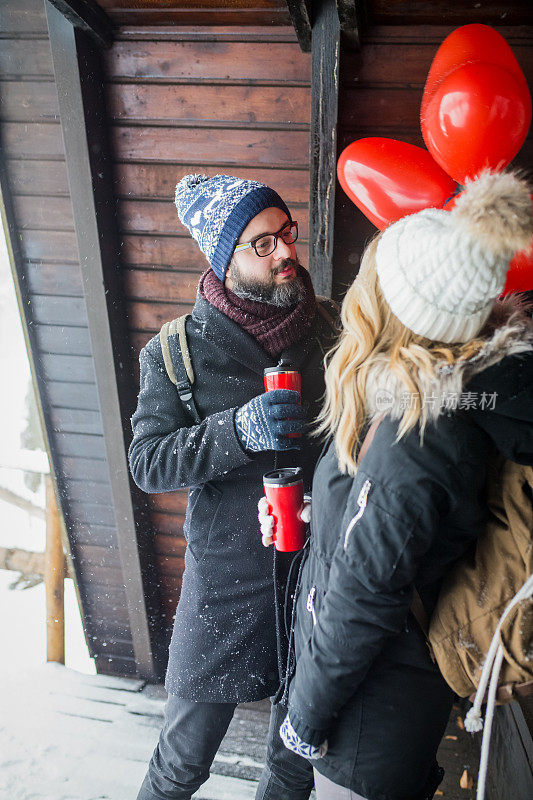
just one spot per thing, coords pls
(223, 646)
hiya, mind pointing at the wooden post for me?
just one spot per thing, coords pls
(325, 49)
(54, 579)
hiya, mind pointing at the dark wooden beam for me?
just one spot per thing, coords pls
(323, 143)
(80, 88)
(300, 11)
(349, 12)
(89, 17)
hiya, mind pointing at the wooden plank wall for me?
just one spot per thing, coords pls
(180, 100)
(380, 94)
(51, 286)
(197, 12)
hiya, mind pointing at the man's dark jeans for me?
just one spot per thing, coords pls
(187, 746)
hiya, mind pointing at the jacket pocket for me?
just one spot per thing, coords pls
(202, 508)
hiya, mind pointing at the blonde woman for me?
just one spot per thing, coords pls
(426, 348)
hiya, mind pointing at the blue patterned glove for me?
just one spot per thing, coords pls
(264, 422)
(292, 741)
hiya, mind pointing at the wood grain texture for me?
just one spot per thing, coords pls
(52, 279)
(110, 5)
(208, 61)
(172, 544)
(144, 316)
(73, 420)
(48, 178)
(169, 502)
(51, 246)
(23, 17)
(152, 285)
(28, 101)
(72, 444)
(256, 34)
(208, 105)
(149, 217)
(401, 12)
(59, 310)
(63, 339)
(63, 394)
(77, 368)
(95, 514)
(36, 140)
(169, 251)
(88, 490)
(94, 535)
(223, 147)
(44, 213)
(25, 59)
(261, 12)
(158, 181)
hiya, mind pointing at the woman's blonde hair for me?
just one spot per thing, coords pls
(372, 337)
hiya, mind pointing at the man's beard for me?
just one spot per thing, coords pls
(283, 295)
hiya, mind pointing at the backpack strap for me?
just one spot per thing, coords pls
(323, 310)
(180, 372)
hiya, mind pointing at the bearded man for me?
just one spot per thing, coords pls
(255, 307)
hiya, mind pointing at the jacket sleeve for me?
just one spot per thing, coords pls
(370, 585)
(166, 452)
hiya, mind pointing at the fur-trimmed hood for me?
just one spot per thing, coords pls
(508, 332)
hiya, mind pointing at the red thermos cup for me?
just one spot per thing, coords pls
(283, 376)
(284, 490)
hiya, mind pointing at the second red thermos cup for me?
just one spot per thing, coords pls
(284, 490)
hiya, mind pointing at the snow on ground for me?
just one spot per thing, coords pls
(66, 734)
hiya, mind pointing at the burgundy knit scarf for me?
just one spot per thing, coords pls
(273, 328)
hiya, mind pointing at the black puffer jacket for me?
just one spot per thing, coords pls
(223, 646)
(364, 678)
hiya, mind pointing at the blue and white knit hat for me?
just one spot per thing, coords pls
(217, 210)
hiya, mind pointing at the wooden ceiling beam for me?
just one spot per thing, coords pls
(350, 18)
(86, 15)
(325, 51)
(300, 11)
(80, 88)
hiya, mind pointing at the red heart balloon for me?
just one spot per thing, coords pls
(520, 275)
(477, 118)
(466, 45)
(388, 179)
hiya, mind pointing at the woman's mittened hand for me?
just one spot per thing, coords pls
(292, 741)
(305, 511)
(266, 521)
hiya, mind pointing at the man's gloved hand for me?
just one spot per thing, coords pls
(268, 523)
(264, 422)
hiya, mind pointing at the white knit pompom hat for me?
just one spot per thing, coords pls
(441, 271)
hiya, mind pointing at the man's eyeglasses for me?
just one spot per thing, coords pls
(266, 244)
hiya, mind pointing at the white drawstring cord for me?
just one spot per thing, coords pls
(489, 714)
(491, 669)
